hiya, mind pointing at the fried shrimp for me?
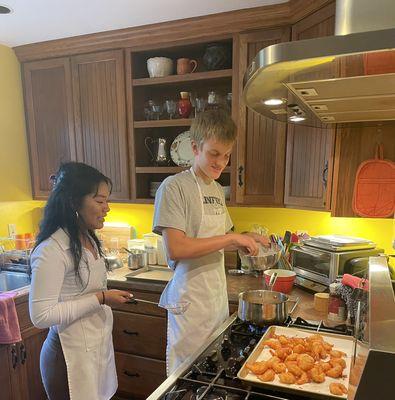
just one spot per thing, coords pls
(337, 354)
(337, 389)
(299, 349)
(335, 372)
(304, 378)
(294, 369)
(325, 366)
(338, 361)
(287, 378)
(292, 357)
(258, 368)
(305, 362)
(273, 344)
(283, 340)
(268, 376)
(317, 375)
(279, 367)
(283, 353)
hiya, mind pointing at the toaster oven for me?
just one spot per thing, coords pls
(317, 268)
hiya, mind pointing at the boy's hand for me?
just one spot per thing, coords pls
(245, 242)
(263, 240)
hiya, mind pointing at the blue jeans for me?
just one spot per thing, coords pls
(53, 368)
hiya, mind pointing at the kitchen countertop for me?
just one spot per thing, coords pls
(236, 284)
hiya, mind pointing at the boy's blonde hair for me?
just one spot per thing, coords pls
(213, 124)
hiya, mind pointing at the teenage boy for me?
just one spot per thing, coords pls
(191, 215)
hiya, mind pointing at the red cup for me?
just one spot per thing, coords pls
(285, 279)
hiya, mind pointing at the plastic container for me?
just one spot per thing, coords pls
(337, 310)
(285, 279)
(136, 244)
(321, 302)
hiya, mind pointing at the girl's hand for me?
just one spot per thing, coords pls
(113, 297)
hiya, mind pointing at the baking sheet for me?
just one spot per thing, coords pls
(261, 353)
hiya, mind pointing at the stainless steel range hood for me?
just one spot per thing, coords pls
(346, 79)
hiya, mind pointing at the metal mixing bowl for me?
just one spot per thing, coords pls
(266, 258)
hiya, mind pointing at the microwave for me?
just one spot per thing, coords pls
(317, 268)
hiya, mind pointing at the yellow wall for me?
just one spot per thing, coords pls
(17, 207)
(15, 190)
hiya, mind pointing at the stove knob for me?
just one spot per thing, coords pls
(239, 362)
(226, 343)
(246, 351)
(213, 356)
(231, 362)
(252, 342)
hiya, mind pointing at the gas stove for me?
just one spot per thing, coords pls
(212, 375)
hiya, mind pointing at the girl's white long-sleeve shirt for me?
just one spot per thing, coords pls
(56, 297)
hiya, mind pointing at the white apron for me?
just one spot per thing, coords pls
(87, 345)
(202, 282)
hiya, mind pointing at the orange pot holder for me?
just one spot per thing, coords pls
(374, 189)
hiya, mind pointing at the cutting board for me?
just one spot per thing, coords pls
(116, 235)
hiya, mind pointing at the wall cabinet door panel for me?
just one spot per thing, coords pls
(261, 142)
(50, 123)
(100, 116)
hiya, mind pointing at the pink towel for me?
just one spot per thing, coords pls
(9, 324)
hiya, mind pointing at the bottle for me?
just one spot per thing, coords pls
(337, 311)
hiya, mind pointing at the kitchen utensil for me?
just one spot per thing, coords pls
(114, 262)
(176, 308)
(181, 150)
(137, 259)
(159, 67)
(272, 280)
(266, 258)
(157, 149)
(284, 281)
(264, 307)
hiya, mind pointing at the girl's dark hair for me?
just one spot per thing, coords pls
(72, 183)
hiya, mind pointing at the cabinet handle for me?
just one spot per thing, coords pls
(325, 175)
(23, 353)
(130, 332)
(14, 356)
(240, 170)
(131, 375)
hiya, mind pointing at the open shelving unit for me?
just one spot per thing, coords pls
(142, 88)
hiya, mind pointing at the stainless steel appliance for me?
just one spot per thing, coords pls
(320, 260)
(308, 82)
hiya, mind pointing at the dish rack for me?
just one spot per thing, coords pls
(14, 255)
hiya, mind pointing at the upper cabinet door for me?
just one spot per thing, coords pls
(50, 124)
(100, 116)
(309, 167)
(261, 141)
(309, 159)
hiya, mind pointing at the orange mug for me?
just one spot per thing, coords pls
(186, 66)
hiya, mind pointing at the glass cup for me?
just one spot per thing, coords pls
(171, 108)
(200, 105)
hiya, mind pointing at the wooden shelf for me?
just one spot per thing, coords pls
(196, 76)
(167, 170)
(163, 123)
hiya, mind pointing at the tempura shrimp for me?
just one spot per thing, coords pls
(268, 376)
(337, 354)
(335, 372)
(337, 389)
(287, 378)
(258, 368)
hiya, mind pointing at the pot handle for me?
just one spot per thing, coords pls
(295, 305)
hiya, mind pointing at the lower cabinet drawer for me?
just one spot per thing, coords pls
(138, 376)
(143, 335)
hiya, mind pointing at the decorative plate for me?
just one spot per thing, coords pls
(181, 150)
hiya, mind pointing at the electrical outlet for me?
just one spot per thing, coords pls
(11, 230)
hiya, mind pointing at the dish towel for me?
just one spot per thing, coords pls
(9, 324)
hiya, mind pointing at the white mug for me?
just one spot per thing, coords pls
(159, 67)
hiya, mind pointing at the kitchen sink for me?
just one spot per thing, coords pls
(151, 273)
(10, 280)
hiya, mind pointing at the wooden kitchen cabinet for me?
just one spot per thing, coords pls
(261, 141)
(100, 116)
(139, 336)
(49, 118)
(20, 377)
(308, 176)
(309, 150)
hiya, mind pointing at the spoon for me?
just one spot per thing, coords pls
(176, 308)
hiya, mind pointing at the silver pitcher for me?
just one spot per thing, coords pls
(157, 149)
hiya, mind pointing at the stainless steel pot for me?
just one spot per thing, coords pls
(264, 307)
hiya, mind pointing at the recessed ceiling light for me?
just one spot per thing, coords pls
(4, 9)
(296, 118)
(273, 102)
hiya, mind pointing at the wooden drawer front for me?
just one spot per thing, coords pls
(22, 310)
(138, 376)
(143, 308)
(143, 335)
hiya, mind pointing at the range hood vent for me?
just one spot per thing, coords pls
(344, 79)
